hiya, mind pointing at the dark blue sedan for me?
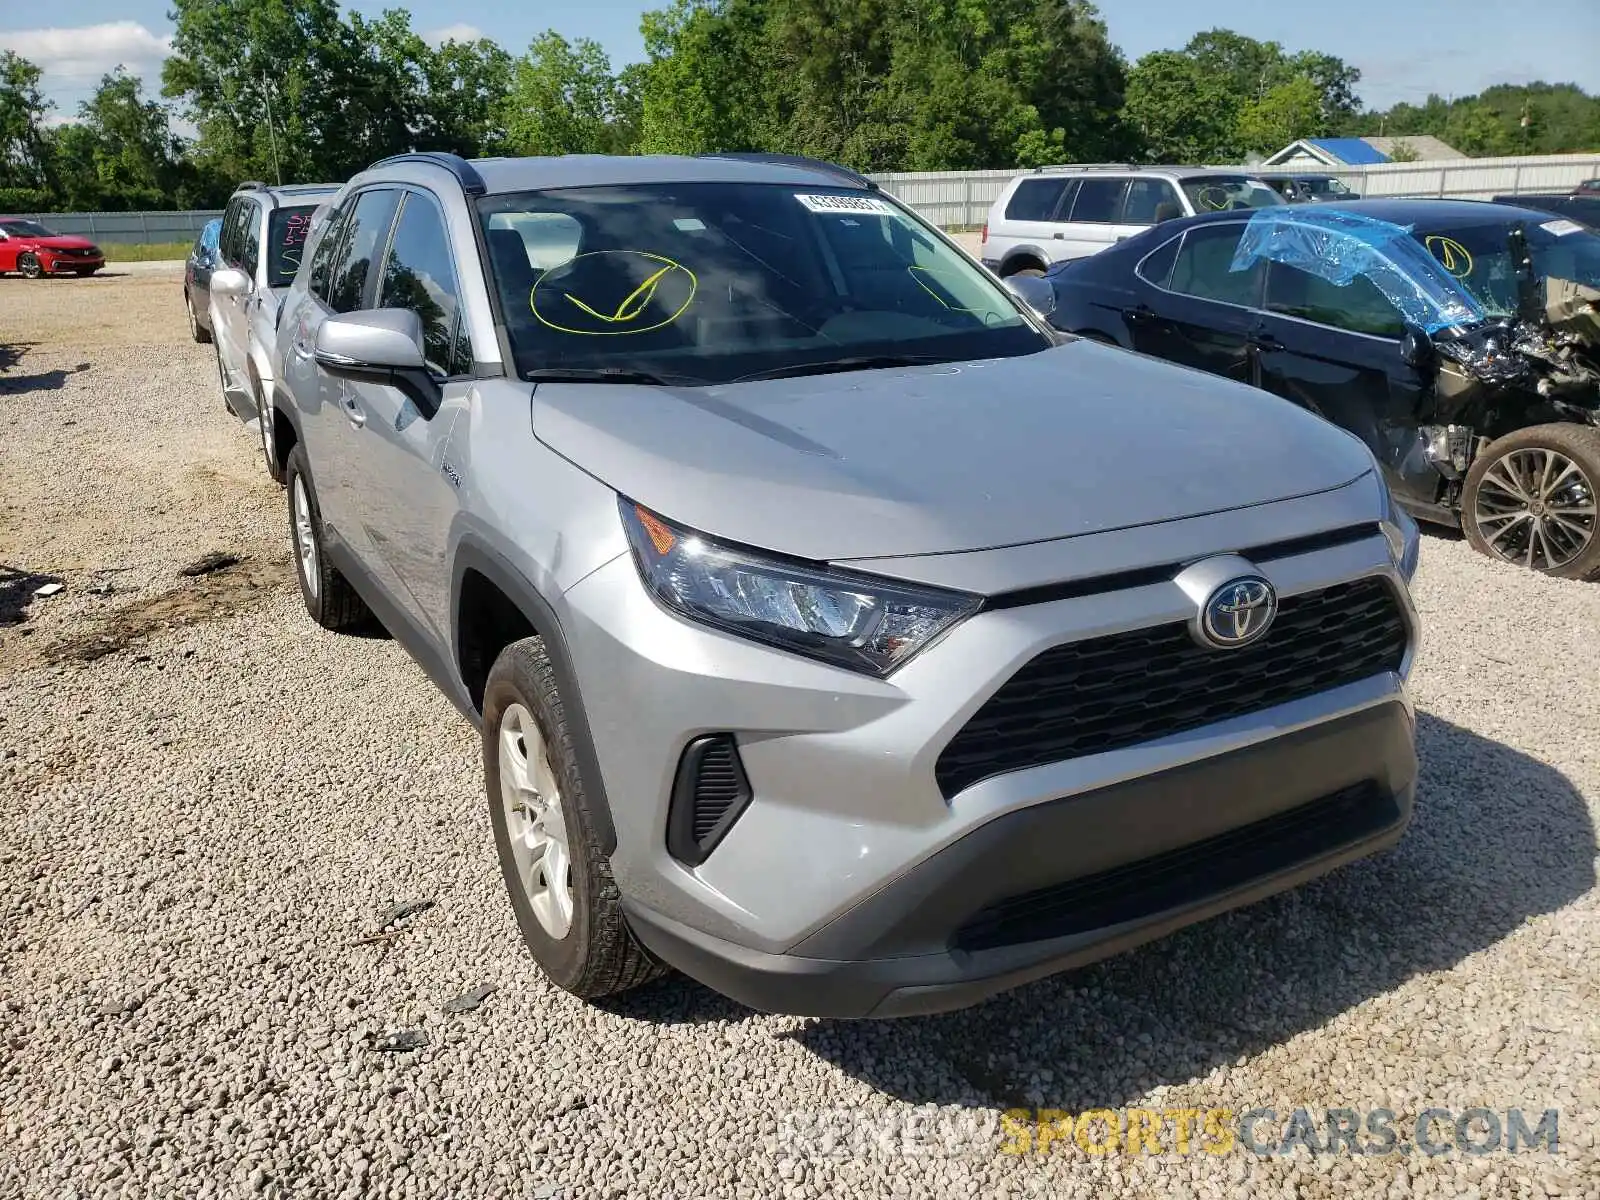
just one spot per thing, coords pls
(1459, 339)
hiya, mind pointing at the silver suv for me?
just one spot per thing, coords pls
(264, 231)
(836, 633)
(1059, 213)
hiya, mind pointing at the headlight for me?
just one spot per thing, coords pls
(1405, 539)
(856, 621)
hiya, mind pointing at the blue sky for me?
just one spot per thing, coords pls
(1405, 49)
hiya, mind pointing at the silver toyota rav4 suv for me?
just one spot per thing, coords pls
(837, 634)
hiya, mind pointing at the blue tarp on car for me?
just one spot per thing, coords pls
(1339, 246)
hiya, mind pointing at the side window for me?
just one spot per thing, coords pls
(1204, 266)
(1358, 306)
(1156, 267)
(227, 239)
(363, 240)
(250, 238)
(1149, 201)
(1099, 200)
(327, 250)
(1035, 199)
(418, 274)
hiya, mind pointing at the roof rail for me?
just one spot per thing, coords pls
(251, 185)
(466, 174)
(797, 160)
(1108, 166)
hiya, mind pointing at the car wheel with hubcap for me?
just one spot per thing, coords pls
(566, 904)
(329, 598)
(29, 265)
(1531, 499)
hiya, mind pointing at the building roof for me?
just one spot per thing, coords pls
(1426, 147)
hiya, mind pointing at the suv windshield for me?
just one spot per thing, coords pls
(286, 240)
(26, 229)
(1478, 257)
(703, 283)
(1216, 193)
(1319, 185)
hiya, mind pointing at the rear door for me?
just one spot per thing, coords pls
(1095, 218)
(1336, 351)
(1203, 314)
(403, 497)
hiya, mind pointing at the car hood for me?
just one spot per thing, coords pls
(1077, 439)
(65, 241)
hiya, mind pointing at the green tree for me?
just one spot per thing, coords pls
(1287, 112)
(1182, 111)
(24, 151)
(565, 100)
(121, 154)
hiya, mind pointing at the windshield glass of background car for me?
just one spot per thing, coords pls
(286, 241)
(710, 282)
(26, 229)
(1218, 193)
(1478, 257)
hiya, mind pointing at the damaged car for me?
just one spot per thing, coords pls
(1459, 339)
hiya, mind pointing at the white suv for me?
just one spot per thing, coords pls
(263, 233)
(1057, 213)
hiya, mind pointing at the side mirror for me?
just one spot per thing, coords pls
(229, 282)
(1035, 291)
(383, 345)
(1416, 348)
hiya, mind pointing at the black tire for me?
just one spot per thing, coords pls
(329, 598)
(196, 330)
(85, 272)
(1504, 539)
(28, 265)
(1028, 268)
(598, 955)
(274, 471)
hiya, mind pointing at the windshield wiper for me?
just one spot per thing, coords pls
(602, 375)
(862, 362)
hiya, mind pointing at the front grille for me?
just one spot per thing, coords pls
(1186, 875)
(1106, 693)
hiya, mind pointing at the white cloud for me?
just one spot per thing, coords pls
(80, 56)
(459, 32)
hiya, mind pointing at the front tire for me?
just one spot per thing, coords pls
(1530, 499)
(29, 266)
(329, 598)
(565, 900)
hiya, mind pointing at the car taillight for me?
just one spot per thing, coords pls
(984, 236)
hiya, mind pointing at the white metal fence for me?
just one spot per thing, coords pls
(961, 199)
(958, 199)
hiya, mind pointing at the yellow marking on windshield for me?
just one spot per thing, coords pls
(633, 305)
(918, 272)
(1208, 198)
(1452, 255)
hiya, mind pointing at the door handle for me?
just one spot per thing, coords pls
(1139, 313)
(1060, 237)
(353, 411)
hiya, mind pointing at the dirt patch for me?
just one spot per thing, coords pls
(209, 596)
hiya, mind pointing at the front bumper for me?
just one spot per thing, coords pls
(64, 265)
(1191, 843)
(852, 885)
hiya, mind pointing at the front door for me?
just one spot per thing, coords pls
(1094, 221)
(402, 482)
(1335, 350)
(239, 247)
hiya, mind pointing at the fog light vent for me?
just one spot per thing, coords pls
(708, 795)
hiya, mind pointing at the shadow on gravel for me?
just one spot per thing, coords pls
(1497, 837)
(44, 381)
(16, 592)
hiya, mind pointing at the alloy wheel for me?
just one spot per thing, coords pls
(28, 264)
(305, 537)
(535, 822)
(1536, 508)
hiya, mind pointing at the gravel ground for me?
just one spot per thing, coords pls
(207, 804)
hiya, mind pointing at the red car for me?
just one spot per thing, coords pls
(30, 249)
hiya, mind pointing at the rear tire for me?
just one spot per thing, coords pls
(28, 265)
(1028, 268)
(329, 598)
(1531, 497)
(566, 903)
(264, 420)
(196, 330)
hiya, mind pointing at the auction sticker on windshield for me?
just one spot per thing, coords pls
(845, 204)
(1561, 228)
